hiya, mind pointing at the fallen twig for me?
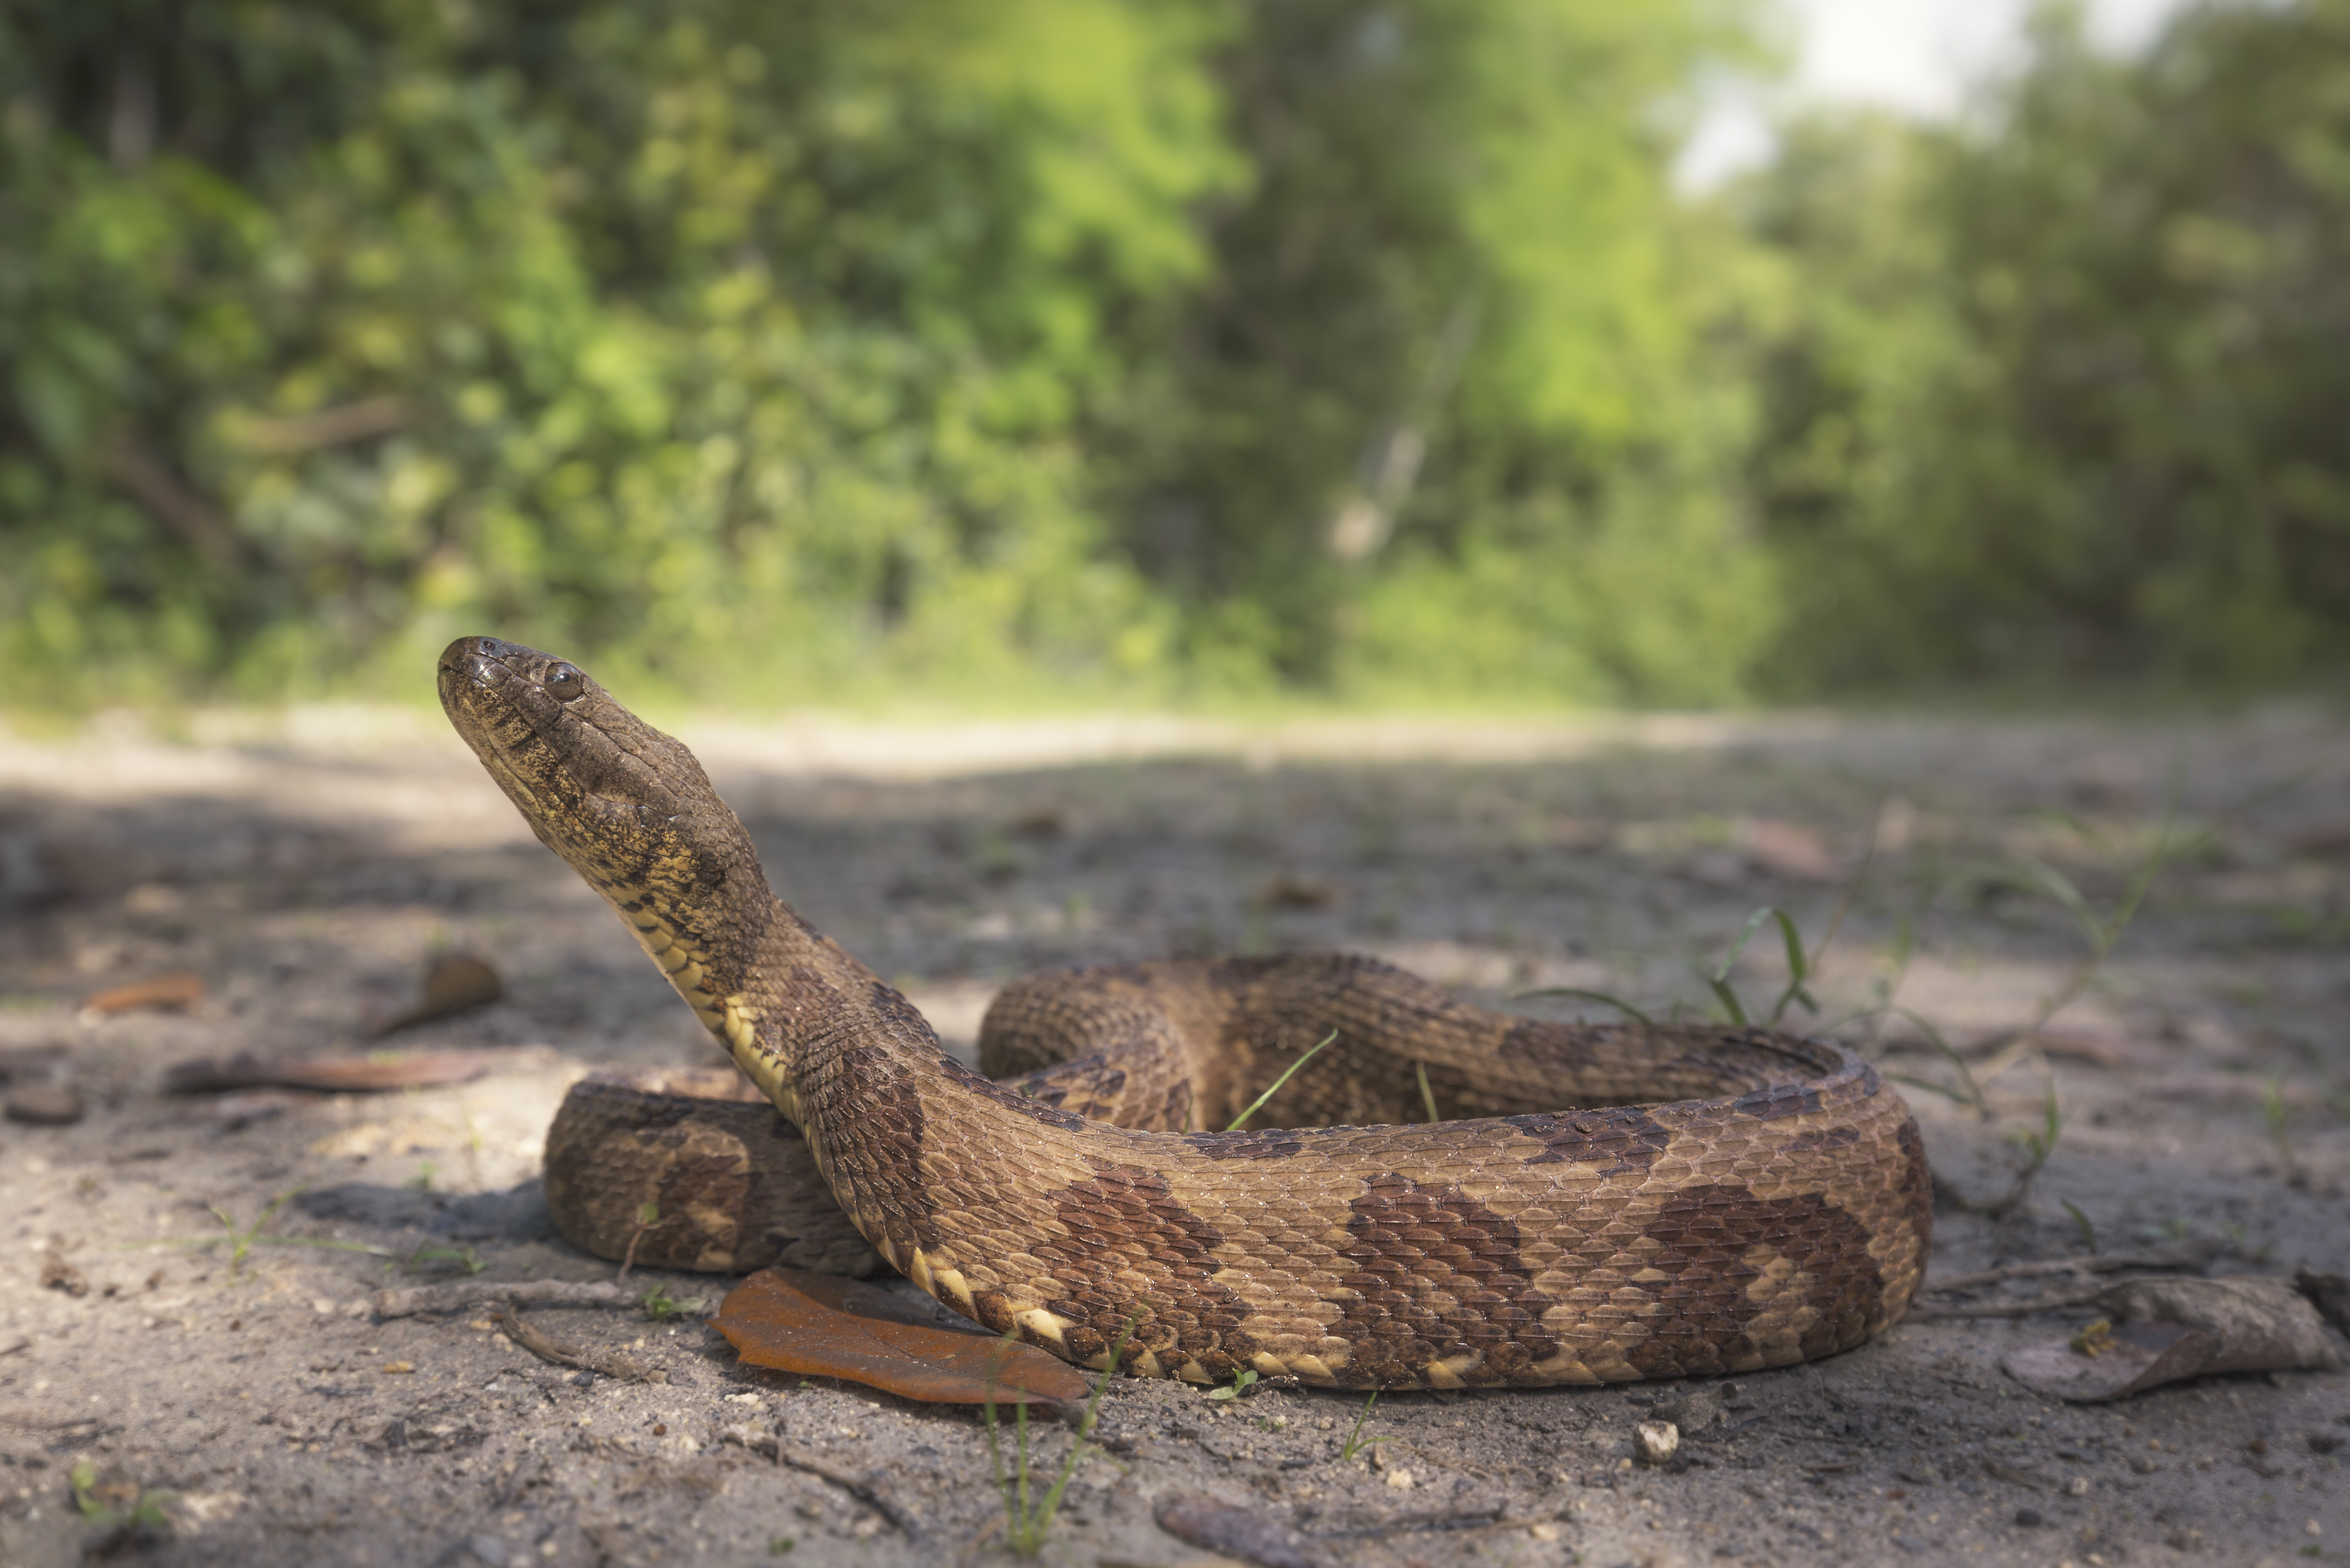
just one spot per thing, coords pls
(987, 1533)
(1474, 1522)
(605, 1365)
(27, 1424)
(871, 1490)
(2194, 1255)
(462, 1295)
(2030, 1306)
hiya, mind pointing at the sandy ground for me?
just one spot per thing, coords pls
(307, 866)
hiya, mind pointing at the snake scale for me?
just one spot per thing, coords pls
(1610, 1201)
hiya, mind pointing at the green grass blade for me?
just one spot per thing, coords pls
(1427, 1094)
(1258, 1104)
(1745, 935)
(1729, 999)
(2041, 876)
(1799, 971)
(1617, 1003)
(1948, 1093)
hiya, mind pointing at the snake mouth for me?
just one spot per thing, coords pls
(590, 777)
(485, 665)
(496, 696)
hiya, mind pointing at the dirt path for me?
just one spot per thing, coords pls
(306, 870)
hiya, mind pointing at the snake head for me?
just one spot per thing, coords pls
(625, 804)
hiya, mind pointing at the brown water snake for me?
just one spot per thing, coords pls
(1607, 1201)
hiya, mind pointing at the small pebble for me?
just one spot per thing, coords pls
(1658, 1441)
(2077, 1487)
(44, 1106)
(1399, 1479)
(2028, 1517)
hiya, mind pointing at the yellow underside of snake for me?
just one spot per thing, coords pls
(1603, 1202)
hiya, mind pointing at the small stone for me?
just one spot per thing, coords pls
(489, 1550)
(44, 1106)
(1401, 1480)
(397, 1367)
(2312, 1530)
(2257, 1446)
(2077, 1487)
(2028, 1517)
(1546, 1531)
(1659, 1441)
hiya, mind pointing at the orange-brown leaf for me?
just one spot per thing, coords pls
(165, 992)
(453, 981)
(820, 1326)
(334, 1074)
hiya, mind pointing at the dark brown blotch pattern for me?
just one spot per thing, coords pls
(1621, 1141)
(1125, 1221)
(1430, 1273)
(1708, 1233)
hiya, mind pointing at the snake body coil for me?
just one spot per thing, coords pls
(1767, 1202)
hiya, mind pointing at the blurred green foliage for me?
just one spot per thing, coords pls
(2059, 391)
(805, 351)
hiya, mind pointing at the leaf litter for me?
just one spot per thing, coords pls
(818, 1326)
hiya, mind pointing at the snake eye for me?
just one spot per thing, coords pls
(565, 683)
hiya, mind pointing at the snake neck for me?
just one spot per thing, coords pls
(632, 812)
(787, 1003)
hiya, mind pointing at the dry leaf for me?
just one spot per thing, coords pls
(821, 1326)
(334, 1075)
(165, 992)
(43, 1105)
(452, 982)
(2330, 1293)
(1576, 833)
(2166, 1330)
(1214, 1526)
(1284, 891)
(1789, 849)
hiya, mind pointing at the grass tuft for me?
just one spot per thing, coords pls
(1356, 1442)
(1028, 1523)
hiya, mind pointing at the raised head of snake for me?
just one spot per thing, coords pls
(1764, 1202)
(628, 808)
